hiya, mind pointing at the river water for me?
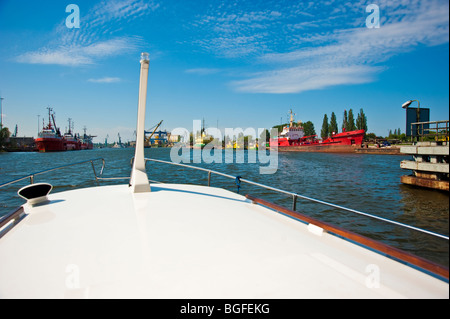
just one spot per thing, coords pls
(367, 183)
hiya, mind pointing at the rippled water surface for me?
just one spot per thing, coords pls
(367, 183)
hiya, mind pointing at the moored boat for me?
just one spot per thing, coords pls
(292, 138)
(73, 142)
(86, 141)
(50, 138)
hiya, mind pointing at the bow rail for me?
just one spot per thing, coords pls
(295, 196)
(238, 180)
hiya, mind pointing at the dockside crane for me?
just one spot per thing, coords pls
(155, 127)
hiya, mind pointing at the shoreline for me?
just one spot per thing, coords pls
(348, 149)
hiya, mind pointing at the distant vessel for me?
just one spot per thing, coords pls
(293, 138)
(50, 138)
(86, 141)
(73, 143)
(118, 144)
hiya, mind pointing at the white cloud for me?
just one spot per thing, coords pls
(116, 10)
(300, 79)
(349, 55)
(105, 80)
(87, 45)
(203, 71)
(75, 55)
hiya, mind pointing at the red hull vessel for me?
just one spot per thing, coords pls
(73, 143)
(47, 144)
(292, 139)
(50, 139)
(86, 141)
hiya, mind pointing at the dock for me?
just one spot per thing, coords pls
(430, 165)
(430, 152)
(390, 150)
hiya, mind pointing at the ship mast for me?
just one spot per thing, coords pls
(49, 117)
(139, 180)
(291, 121)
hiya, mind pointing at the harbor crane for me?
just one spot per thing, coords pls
(154, 127)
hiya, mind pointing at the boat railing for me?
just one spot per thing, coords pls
(31, 177)
(296, 196)
(10, 219)
(237, 179)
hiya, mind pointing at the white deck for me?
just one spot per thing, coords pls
(183, 241)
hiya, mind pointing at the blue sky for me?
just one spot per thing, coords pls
(231, 63)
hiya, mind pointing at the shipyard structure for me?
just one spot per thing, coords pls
(429, 166)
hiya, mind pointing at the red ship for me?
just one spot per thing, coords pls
(86, 141)
(73, 143)
(292, 138)
(50, 138)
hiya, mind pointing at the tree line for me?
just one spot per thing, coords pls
(331, 127)
(348, 123)
(4, 135)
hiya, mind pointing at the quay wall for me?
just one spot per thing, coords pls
(429, 167)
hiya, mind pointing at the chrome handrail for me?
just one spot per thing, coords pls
(295, 196)
(31, 176)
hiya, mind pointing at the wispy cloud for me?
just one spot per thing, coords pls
(73, 55)
(203, 71)
(303, 78)
(105, 80)
(96, 38)
(312, 45)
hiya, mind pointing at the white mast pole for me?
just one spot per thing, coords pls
(139, 180)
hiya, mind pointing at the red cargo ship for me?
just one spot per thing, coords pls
(86, 141)
(73, 143)
(292, 138)
(50, 138)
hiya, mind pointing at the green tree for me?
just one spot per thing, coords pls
(265, 136)
(324, 132)
(350, 122)
(371, 136)
(344, 121)
(333, 124)
(280, 127)
(4, 135)
(361, 121)
(308, 127)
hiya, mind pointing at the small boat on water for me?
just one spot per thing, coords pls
(292, 138)
(142, 239)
